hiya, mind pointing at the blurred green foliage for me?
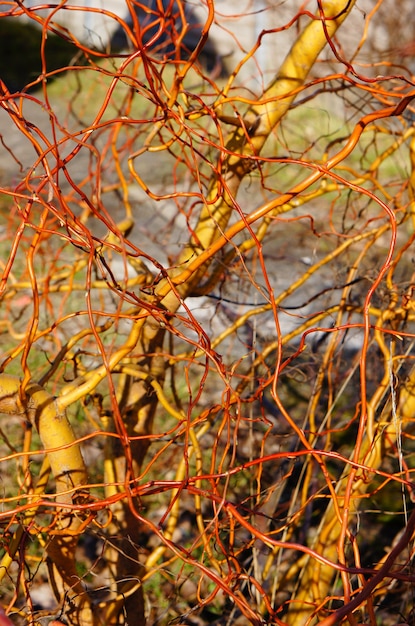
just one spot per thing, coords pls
(20, 53)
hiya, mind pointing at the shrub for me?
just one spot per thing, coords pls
(207, 318)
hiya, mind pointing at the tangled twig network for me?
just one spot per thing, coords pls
(207, 315)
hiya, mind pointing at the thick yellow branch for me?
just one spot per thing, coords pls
(261, 120)
(68, 467)
(54, 429)
(317, 578)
